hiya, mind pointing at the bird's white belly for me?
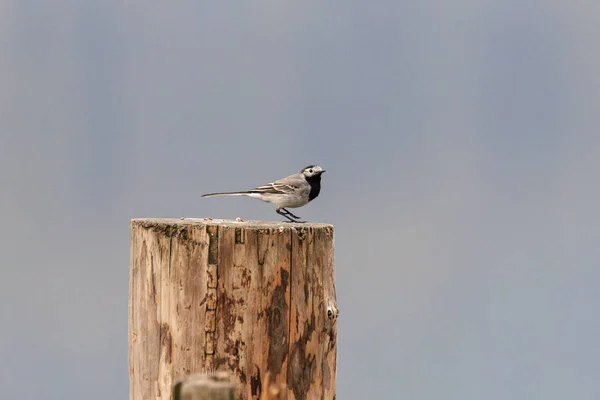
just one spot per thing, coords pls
(285, 200)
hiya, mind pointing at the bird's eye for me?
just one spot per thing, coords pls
(310, 170)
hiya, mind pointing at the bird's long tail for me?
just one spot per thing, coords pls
(226, 194)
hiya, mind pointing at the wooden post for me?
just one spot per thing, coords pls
(249, 298)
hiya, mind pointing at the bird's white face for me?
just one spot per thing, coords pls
(312, 170)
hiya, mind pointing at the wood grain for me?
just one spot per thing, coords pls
(255, 299)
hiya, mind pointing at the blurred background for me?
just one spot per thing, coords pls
(461, 142)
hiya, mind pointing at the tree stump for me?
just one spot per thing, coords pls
(249, 298)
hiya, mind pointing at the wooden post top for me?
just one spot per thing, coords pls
(157, 222)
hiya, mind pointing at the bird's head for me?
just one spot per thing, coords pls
(312, 170)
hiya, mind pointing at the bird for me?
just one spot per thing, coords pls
(293, 191)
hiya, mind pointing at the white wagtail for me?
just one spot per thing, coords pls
(292, 191)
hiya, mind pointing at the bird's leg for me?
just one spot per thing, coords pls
(285, 214)
(283, 211)
(278, 211)
(290, 214)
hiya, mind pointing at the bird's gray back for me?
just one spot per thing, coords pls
(296, 180)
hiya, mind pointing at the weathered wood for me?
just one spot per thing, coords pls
(272, 391)
(204, 387)
(249, 298)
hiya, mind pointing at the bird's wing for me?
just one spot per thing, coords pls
(286, 185)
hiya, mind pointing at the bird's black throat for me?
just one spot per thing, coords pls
(315, 186)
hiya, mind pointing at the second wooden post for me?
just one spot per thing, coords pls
(243, 297)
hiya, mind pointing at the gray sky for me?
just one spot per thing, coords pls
(461, 142)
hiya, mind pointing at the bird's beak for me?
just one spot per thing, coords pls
(323, 171)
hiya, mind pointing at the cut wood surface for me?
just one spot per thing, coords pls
(249, 298)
